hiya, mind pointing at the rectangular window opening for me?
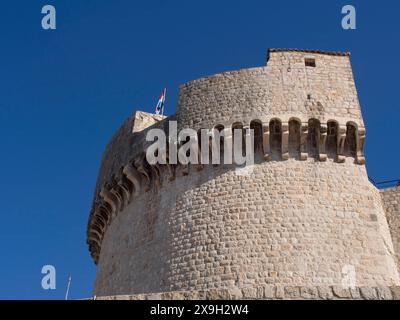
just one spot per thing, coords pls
(310, 62)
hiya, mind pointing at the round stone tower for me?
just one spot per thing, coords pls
(304, 215)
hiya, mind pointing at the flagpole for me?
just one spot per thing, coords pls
(165, 96)
(69, 283)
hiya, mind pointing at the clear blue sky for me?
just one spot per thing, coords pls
(63, 93)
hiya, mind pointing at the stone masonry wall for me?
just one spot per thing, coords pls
(270, 292)
(285, 89)
(391, 203)
(295, 222)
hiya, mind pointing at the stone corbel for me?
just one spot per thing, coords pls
(133, 175)
(285, 141)
(95, 235)
(210, 146)
(95, 227)
(99, 220)
(120, 200)
(94, 249)
(139, 164)
(111, 199)
(266, 145)
(340, 141)
(94, 244)
(126, 195)
(227, 146)
(248, 142)
(95, 255)
(105, 213)
(303, 141)
(322, 142)
(360, 159)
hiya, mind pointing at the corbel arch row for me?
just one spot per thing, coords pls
(274, 140)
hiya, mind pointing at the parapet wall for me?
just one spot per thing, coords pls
(285, 89)
(391, 203)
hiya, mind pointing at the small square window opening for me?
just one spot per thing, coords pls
(310, 62)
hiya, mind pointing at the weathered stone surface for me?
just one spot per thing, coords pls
(341, 292)
(156, 296)
(218, 294)
(355, 293)
(309, 292)
(391, 203)
(235, 293)
(279, 292)
(325, 293)
(288, 229)
(384, 293)
(292, 292)
(395, 293)
(250, 293)
(271, 292)
(368, 293)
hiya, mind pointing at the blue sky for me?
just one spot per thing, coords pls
(64, 92)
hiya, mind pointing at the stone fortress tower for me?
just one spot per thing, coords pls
(304, 222)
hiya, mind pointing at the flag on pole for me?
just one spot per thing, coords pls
(161, 102)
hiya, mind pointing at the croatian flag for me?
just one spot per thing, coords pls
(160, 103)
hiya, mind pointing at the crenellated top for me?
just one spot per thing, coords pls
(275, 139)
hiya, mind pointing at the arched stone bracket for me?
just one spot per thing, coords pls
(133, 175)
(322, 142)
(285, 141)
(267, 149)
(341, 139)
(303, 142)
(125, 190)
(110, 198)
(360, 159)
(141, 168)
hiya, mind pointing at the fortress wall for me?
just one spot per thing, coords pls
(287, 223)
(135, 249)
(301, 222)
(280, 89)
(391, 203)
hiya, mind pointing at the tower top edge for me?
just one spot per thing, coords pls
(313, 51)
